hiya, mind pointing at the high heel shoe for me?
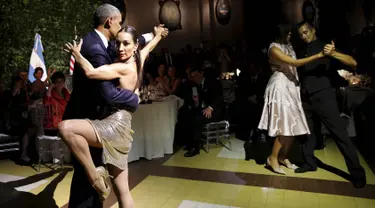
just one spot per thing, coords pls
(288, 165)
(276, 170)
(104, 188)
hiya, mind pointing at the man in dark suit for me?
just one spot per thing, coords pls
(92, 98)
(203, 103)
(319, 100)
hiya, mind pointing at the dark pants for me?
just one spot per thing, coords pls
(195, 122)
(323, 104)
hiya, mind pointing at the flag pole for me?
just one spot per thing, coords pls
(75, 33)
(72, 60)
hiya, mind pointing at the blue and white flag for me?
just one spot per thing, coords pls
(37, 59)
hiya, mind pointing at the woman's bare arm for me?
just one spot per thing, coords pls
(105, 72)
(160, 32)
(276, 54)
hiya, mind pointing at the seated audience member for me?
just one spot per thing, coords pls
(56, 99)
(172, 82)
(203, 104)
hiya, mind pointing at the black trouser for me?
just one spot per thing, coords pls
(324, 105)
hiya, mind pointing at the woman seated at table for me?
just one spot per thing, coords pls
(160, 80)
(172, 82)
(56, 99)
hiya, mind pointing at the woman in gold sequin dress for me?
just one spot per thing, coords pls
(283, 115)
(114, 133)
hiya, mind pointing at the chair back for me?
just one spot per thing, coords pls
(52, 116)
(37, 116)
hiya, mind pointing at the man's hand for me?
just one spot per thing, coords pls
(207, 112)
(160, 30)
(329, 49)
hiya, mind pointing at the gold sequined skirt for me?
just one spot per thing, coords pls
(115, 134)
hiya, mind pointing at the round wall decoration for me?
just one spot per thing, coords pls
(308, 11)
(223, 11)
(170, 14)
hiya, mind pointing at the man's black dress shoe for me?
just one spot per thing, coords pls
(304, 169)
(192, 152)
(359, 182)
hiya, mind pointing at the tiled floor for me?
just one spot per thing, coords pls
(224, 160)
(171, 193)
(221, 178)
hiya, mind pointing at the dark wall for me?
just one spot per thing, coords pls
(144, 15)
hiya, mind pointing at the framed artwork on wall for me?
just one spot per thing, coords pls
(170, 14)
(223, 11)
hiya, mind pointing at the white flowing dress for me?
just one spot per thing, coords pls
(282, 111)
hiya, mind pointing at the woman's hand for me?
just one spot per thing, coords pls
(321, 54)
(161, 31)
(165, 81)
(73, 48)
(137, 92)
(51, 71)
(329, 49)
(51, 86)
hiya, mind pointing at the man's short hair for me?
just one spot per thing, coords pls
(23, 71)
(103, 12)
(198, 69)
(309, 25)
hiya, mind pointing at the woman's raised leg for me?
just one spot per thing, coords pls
(79, 134)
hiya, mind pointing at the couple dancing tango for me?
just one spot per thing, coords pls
(298, 92)
(97, 121)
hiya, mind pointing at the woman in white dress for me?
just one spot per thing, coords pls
(283, 115)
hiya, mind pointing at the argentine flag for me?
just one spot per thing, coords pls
(37, 59)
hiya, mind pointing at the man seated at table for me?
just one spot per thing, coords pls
(203, 104)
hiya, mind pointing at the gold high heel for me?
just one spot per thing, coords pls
(103, 175)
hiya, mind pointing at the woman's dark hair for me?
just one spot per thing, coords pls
(133, 32)
(37, 69)
(57, 75)
(281, 33)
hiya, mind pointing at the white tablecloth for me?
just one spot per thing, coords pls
(154, 126)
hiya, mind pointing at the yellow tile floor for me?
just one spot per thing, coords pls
(163, 192)
(61, 194)
(331, 156)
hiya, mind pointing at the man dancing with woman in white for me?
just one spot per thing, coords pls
(114, 133)
(283, 115)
